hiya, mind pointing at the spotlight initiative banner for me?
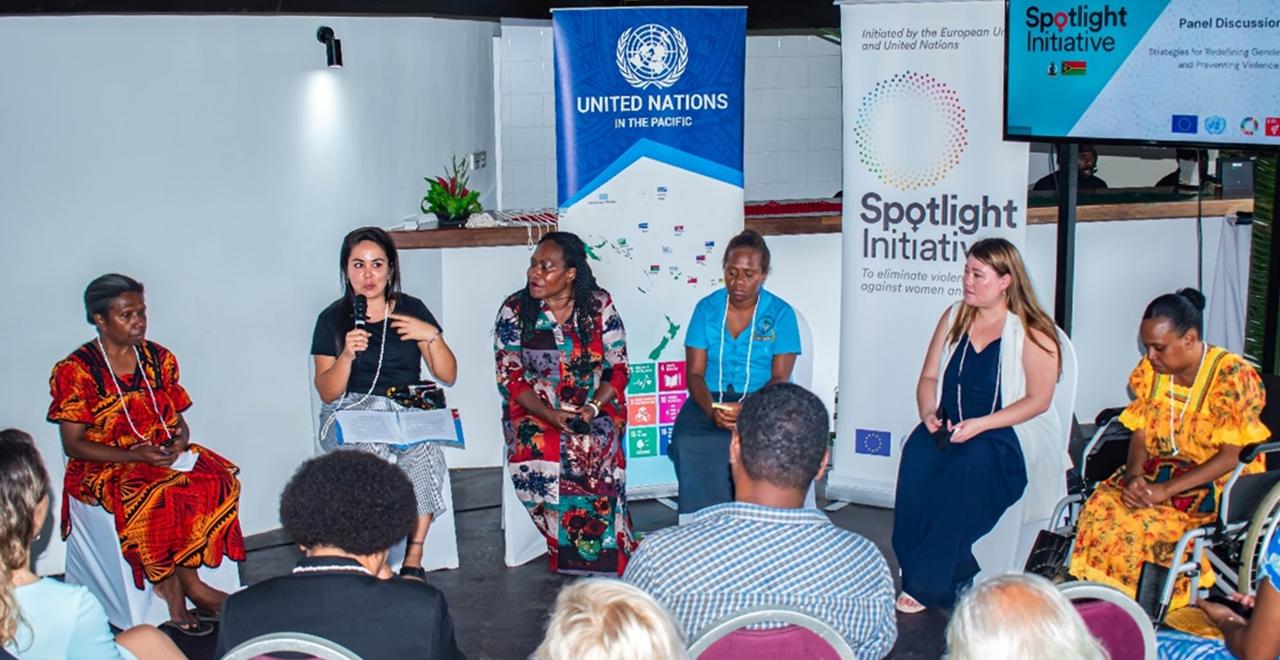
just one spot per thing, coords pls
(926, 174)
(649, 174)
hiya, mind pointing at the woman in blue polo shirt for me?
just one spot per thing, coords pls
(723, 363)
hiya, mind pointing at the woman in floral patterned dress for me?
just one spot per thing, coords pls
(562, 370)
(1195, 406)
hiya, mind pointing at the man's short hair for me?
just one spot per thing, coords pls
(783, 434)
(349, 500)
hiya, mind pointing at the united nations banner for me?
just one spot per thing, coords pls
(649, 171)
(926, 174)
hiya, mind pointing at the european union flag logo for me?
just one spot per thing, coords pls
(868, 441)
(1185, 124)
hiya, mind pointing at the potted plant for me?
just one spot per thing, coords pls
(448, 196)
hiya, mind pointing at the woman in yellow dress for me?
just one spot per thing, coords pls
(1194, 407)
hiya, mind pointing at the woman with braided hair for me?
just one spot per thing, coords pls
(561, 355)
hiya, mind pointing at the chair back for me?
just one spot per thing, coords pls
(290, 645)
(802, 372)
(1114, 619)
(802, 636)
(1271, 414)
(1064, 395)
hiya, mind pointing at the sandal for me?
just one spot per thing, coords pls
(200, 628)
(201, 614)
(413, 573)
(908, 605)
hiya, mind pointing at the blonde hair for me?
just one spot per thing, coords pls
(1005, 259)
(23, 484)
(606, 619)
(1015, 616)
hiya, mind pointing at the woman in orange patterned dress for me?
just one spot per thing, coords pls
(1195, 407)
(118, 406)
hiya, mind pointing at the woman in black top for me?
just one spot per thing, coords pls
(356, 371)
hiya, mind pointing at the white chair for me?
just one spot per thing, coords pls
(782, 640)
(95, 561)
(1006, 547)
(289, 642)
(524, 542)
(440, 549)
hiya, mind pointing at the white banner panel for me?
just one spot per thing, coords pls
(925, 175)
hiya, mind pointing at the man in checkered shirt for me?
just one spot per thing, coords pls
(765, 548)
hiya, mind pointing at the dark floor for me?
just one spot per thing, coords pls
(500, 612)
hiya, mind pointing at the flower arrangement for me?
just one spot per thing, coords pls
(448, 196)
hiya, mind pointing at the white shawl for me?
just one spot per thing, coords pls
(1042, 437)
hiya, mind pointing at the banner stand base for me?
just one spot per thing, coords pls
(843, 493)
(658, 492)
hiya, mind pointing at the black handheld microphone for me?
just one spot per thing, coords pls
(359, 311)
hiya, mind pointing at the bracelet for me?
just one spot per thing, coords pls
(435, 337)
(595, 407)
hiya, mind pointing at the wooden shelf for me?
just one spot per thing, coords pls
(787, 225)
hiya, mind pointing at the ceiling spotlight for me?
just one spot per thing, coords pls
(332, 46)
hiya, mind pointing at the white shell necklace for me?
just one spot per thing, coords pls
(751, 336)
(120, 390)
(1173, 428)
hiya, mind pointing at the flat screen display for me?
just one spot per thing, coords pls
(1196, 72)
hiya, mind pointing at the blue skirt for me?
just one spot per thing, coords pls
(946, 500)
(700, 451)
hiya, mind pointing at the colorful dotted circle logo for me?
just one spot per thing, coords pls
(910, 130)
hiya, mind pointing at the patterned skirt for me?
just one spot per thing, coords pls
(423, 463)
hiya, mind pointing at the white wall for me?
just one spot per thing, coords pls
(219, 162)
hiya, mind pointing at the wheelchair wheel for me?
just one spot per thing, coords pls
(1261, 529)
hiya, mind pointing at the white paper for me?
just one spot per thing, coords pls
(421, 425)
(369, 426)
(185, 461)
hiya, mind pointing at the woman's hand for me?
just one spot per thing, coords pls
(1136, 492)
(968, 429)
(725, 415)
(1157, 494)
(411, 328)
(357, 340)
(1219, 613)
(145, 452)
(931, 421)
(559, 418)
(588, 412)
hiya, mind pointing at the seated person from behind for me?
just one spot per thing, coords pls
(1018, 616)
(765, 548)
(1088, 164)
(346, 509)
(1197, 156)
(608, 619)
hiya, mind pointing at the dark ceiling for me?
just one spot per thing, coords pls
(761, 15)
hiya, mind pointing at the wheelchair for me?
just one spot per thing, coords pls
(1234, 543)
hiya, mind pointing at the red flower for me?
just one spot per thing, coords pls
(594, 529)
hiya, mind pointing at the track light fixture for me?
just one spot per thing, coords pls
(332, 46)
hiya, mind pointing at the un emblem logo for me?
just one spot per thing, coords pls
(652, 56)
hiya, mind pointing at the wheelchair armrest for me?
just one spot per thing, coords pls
(1250, 452)
(1106, 415)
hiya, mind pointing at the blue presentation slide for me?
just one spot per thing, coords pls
(1186, 71)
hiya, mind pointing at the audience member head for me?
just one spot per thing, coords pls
(746, 266)
(559, 268)
(1172, 330)
(1016, 616)
(24, 503)
(780, 444)
(607, 619)
(348, 503)
(994, 276)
